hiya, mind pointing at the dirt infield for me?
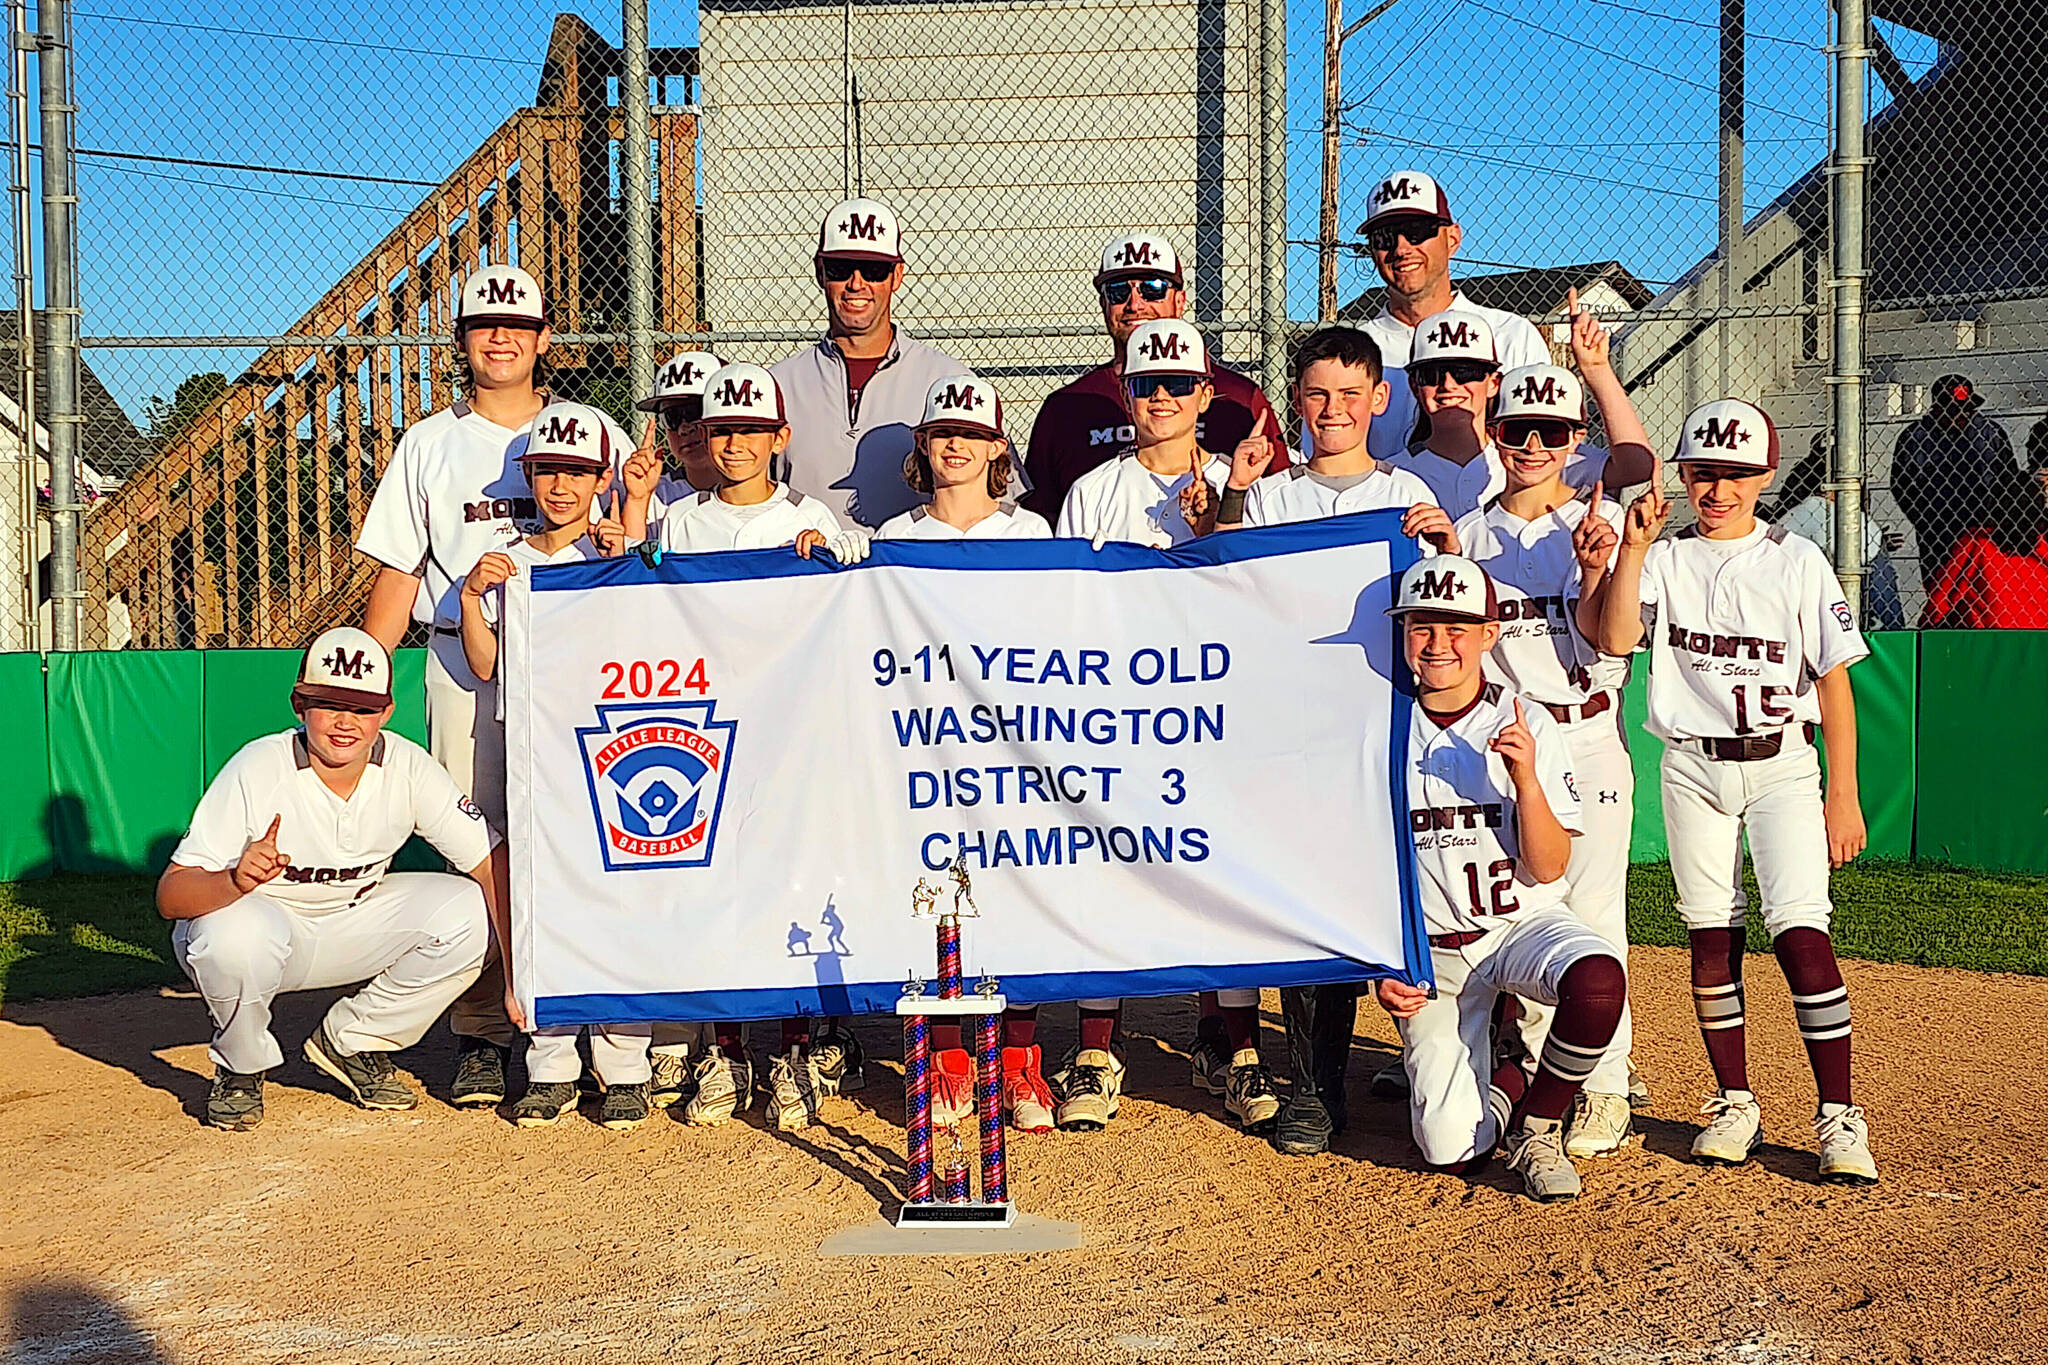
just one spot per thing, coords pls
(329, 1234)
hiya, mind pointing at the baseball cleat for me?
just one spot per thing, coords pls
(1027, 1099)
(1536, 1153)
(1248, 1093)
(1390, 1082)
(1735, 1129)
(1305, 1125)
(369, 1076)
(670, 1083)
(625, 1106)
(724, 1087)
(952, 1087)
(792, 1091)
(479, 1073)
(236, 1100)
(545, 1103)
(1210, 1064)
(837, 1059)
(1844, 1145)
(1600, 1125)
(1089, 1087)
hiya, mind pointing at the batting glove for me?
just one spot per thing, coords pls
(849, 547)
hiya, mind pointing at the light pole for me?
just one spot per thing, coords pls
(1335, 33)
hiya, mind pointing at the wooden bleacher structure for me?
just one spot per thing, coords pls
(195, 543)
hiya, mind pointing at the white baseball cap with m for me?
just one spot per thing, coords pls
(1447, 585)
(1166, 346)
(500, 295)
(861, 230)
(742, 395)
(1139, 254)
(1454, 334)
(344, 667)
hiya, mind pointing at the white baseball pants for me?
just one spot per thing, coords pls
(1598, 878)
(1447, 1047)
(465, 737)
(1711, 803)
(419, 937)
(618, 1054)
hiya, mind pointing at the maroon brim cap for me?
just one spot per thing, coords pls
(316, 694)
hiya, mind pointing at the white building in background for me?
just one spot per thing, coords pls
(25, 541)
(1012, 138)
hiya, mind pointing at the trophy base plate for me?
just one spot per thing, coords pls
(1023, 1233)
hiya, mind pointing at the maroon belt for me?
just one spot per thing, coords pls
(1597, 704)
(1749, 748)
(1456, 940)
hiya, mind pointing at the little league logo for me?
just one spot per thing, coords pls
(656, 774)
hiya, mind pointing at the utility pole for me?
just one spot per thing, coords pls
(19, 629)
(1335, 34)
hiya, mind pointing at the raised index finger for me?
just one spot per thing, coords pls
(1571, 300)
(1519, 718)
(270, 835)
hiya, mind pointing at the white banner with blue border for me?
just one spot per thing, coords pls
(1167, 771)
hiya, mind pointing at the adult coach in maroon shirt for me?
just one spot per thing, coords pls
(1086, 423)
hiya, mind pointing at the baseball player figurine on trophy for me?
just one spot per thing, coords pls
(943, 1197)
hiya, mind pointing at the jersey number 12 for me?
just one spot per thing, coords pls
(1504, 870)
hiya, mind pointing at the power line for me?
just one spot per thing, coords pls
(1562, 173)
(252, 189)
(104, 154)
(309, 38)
(1747, 32)
(1612, 55)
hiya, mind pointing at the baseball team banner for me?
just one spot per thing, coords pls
(1166, 771)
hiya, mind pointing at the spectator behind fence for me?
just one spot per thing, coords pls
(1806, 507)
(1943, 469)
(2037, 454)
(1997, 576)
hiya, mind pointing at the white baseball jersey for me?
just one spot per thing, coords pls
(1297, 494)
(1738, 630)
(1461, 810)
(453, 493)
(1514, 337)
(1462, 489)
(708, 522)
(338, 849)
(1541, 654)
(1123, 500)
(1007, 522)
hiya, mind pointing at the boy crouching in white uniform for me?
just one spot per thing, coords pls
(280, 885)
(568, 462)
(1493, 807)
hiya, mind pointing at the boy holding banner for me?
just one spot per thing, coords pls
(1493, 806)
(745, 428)
(1339, 388)
(1161, 495)
(568, 462)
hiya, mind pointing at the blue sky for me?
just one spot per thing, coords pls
(1568, 130)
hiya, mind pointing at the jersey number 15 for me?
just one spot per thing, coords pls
(1768, 695)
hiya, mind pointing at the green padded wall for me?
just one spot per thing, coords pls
(125, 768)
(26, 846)
(1983, 729)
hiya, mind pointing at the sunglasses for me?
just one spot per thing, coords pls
(1390, 236)
(676, 416)
(1141, 387)
(1436, 373)
(1152, 289)
(839, 270)
(1551, 433)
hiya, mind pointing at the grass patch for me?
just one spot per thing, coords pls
(72, 935)
(1923, 914)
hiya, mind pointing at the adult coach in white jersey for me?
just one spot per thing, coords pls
(854, 398)
(454, 491)
(1410, 232)
(280, 885)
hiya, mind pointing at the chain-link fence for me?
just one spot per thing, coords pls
(274, 205)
